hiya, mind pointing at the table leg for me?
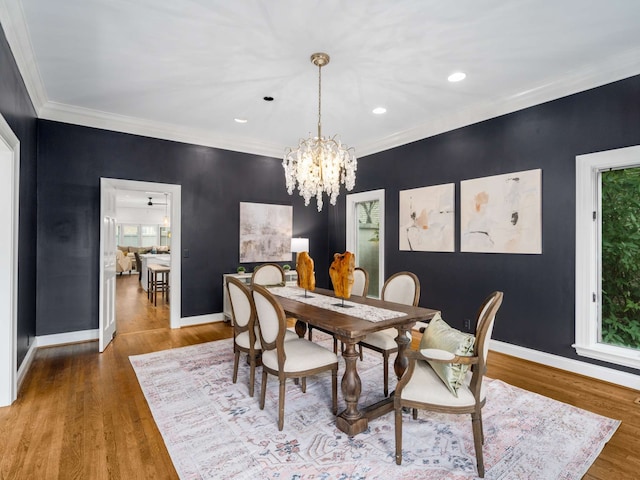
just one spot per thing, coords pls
(403, 341)
(351, 420)
(301, 328)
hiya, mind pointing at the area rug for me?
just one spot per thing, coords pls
(214, 430)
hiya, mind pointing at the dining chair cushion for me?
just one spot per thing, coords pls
(384, 339)
(300, 355)
(426, 386)
(242, 339)
(439, 335)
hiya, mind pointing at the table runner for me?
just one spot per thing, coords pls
(366, 312)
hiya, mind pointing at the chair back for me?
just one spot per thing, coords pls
(360, 282)
(242, 308)
(268, 274)
(271, 320)
(402, 287)
(484, 330)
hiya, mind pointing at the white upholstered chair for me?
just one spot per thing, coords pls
(422, 388)
(245, 330)
(268, 274)
(360, 282)
(401, 287)
(296, 358)
(246, 333)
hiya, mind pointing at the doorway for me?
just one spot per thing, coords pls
(365, 235)
(9, 203)
(109, 190)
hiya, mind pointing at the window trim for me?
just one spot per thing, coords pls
(352, 200)
(588, 198)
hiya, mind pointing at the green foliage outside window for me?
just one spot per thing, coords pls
(621, 257)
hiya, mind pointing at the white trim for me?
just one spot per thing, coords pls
(15, 29)
(10, 186)
(26, 364)
(598, 372)
(201, 319)
(587, 340)
(608, 70)
(350, 240)
(175, 276)
(67, 337)
(120, 123)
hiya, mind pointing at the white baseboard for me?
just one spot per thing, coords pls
(67, 337)
(200, 319)
(605, 374)
(26, 364)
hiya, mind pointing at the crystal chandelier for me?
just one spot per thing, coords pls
(319, 165)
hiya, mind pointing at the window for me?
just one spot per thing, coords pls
(607, 243)
(130, 235)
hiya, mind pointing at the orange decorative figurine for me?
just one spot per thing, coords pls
(341, 273)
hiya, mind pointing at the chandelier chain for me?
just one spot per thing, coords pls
(319, 165)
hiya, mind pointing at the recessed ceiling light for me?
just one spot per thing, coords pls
(240, 120)
(456, 77)
(379, 110)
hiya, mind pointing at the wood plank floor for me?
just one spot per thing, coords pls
(81, 415)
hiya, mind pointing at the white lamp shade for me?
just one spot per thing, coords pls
(299, 244)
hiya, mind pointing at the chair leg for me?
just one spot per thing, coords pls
(263, 390)
(334, 390)
(304, 384)
(236, 358)
(385, 366)
(281, 403)
(414, 413)
(398, 412)
(252, 373)
(310, 334)
(476, 423)
(335, 345)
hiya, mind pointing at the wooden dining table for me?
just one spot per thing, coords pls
(350, 329)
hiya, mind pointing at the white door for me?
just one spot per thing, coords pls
(107, 263)
(365, 235)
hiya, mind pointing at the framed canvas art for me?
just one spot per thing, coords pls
(265, 232)
(426, 219)
(502, 213)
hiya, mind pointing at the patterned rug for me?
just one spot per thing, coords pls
(214, 430)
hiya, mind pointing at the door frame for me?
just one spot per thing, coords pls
(9, 153)
(351, 219)
(175, 212)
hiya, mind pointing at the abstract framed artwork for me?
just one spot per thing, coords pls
(502, 213)
(265, 232)
(427, 218)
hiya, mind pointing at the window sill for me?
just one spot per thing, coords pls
(627, 357)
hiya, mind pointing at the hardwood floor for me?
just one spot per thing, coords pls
(81, 414)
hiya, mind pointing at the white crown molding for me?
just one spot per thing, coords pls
(608, 71)
(15, 27)
(120, 123)
(17, 33)
(605, 374)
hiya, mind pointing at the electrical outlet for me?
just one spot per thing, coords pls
(467, 324)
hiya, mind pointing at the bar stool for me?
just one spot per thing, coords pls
(157, 282)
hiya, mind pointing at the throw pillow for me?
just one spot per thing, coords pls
(441, 336)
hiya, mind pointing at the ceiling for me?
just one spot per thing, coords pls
(185, 69)
(140, 199)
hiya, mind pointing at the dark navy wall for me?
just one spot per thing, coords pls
(18, 111)
(538, 308)
(71, 160)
